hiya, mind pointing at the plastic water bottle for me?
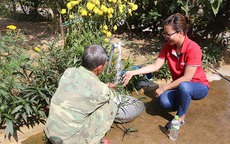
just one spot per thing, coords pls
(174, 130)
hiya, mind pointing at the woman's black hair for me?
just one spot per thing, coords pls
(178, 22)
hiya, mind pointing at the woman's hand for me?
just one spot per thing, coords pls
(126, 77)
(111, 85)
(159, 91)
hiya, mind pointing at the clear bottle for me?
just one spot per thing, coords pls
(174, 130)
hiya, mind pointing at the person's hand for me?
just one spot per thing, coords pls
(126, 77)
(110, 85)
(159, 91)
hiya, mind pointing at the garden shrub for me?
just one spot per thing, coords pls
(28, 83)
(92, 21)
(22, 100)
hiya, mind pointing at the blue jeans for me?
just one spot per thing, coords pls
(180, 98)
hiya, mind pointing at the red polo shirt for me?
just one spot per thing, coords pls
(191, 55)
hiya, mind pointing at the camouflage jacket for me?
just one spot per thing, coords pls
(81, 109)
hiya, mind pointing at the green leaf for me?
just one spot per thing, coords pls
(24, 116)
(17, 116)
(35, 108)
(10, 117)
(28, 109)
(132, 129)
(215, 4)
(9, 127)
(194, 10)
(3, 92)
(16, 109)
(43, 95)
(42, 114)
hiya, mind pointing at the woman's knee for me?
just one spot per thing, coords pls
(184, 87)
(164, 102)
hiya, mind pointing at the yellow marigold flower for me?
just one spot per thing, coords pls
(63, 11)
(110, 15)
(90, 6)
(115, 27)
(131, 4)
(96, 10)
(69, 6)
(100, 12)
(104, 31)
(97, 2)
(75, 2)
(121, 9)
(130, 11)
(110, 0)
(105, 27)
(108, 34)
(134, 7)
(106, 40)
(70, 16)
(37, 49)
(104, 8)
(110, 10)
(11, 27)
(83, 12)
(114, 1)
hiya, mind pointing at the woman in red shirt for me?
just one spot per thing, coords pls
(183, 57)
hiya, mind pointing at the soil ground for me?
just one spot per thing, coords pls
(207, 120)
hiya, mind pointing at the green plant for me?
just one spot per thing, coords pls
(212, 53)
(28, 84)
(127, 130)
(92, 21)
(163, 73)
(19, 104)
(111, 76)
